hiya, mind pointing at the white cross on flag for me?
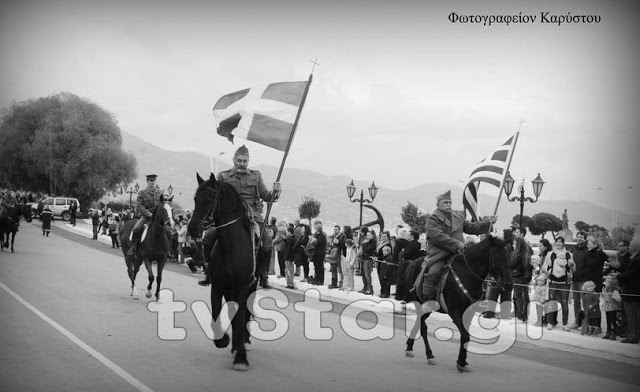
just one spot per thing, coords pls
(490, 170)
(262, 114)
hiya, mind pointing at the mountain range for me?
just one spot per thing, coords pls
(178, 169)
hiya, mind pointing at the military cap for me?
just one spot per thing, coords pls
(242, 150)
(444, 196)
(152, 177)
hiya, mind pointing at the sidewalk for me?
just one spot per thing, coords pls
(507, 331)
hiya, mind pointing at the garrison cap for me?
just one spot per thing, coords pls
(242, 150)
(444, 196)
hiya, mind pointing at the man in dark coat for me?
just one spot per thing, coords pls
(579, 257)
(72, 212)
(95, 221)
(319, 253)
(444, 236)
(630, 283)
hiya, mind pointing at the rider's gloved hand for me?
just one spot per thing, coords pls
(461, 247)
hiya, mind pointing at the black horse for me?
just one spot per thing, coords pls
(463, 287)
(9, 225)
(154, 247)
(232, 266)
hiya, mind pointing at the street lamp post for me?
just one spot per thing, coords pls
(217, 162)
(131, 191)
(351, 190)
(537, 183)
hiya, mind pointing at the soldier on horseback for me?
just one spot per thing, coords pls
(444, 235)
(250, 185)
(147, 200)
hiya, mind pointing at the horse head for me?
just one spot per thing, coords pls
(164, 212)
(207, 202)
(499, 261)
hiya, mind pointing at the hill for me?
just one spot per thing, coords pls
(179, 168)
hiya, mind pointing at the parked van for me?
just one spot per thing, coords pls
(60, 206)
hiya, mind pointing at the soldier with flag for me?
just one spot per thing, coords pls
(251, 187)
(444, 237)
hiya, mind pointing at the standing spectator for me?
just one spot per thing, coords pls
(182, 241)
(521, 276)
(384, 270)
(620, 265)
(46, 217)
(630, 283)
(591, 304)
(559, 267)
(610, 304)
(288, 256)
(402, 240)
(351, 259)
(114, 230)
(346, 230)
(279, 245)
(504, 293)
(274, 233)
(126, 216)
(334, 248)
(72, 212)
(95, 221)
(579, 257)
(319, 253)
(368, 249)
(301, 233)
(540, 282)
(104, 224)
(264, 258)
(592, 268)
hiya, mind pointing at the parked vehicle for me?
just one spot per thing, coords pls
(59, 206)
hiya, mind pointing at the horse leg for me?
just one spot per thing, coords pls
(239, 325)
(461, 363)
(161, 263)
(423, 331)
(216, 309)
(13, 238)
(132, 271)
(149, 266)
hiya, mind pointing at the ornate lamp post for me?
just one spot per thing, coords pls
(131, 191)
(537, 183)
(351, 190)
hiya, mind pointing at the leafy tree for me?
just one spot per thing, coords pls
(414, 217)
(545, 222)
(582, 226)
(622, 233)
(309, 208)
(64, 144)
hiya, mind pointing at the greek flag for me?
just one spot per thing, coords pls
(490, 170)
(262, 114)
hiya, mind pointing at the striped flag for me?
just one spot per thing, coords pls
(262, 114)
(490, 170)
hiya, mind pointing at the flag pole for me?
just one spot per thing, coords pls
(513, 150)
(286, 152)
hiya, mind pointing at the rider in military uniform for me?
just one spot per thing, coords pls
(444, 237)
(250, 185)
(7, 202)
(147, 200)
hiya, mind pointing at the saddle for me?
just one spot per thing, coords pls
(144, 233)
(444, 274)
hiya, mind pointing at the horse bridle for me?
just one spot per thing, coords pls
(491, 267)
(208, 220)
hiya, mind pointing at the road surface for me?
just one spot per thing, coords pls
(69, 324)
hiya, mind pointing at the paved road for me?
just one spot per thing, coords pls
(69, 324)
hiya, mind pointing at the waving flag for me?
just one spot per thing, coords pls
(262, 114)
(490, 170)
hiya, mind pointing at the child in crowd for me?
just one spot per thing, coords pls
(540, 291)
(591, 302)
(610, 304)
(351, 262)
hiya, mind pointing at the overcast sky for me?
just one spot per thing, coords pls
(402, 96)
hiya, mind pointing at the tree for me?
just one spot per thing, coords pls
(414, 217)
(622, 233)
(309, 208)
(64, 144)
(545, 222)
(526, 221)
(582, 226)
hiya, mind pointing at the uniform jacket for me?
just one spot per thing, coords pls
(147, 200)
(251, 188)
(444, 233)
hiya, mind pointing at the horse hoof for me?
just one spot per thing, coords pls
(240, 367)
(463, 369)
(431, 361)
(148, 294)
(222, 343)
(135, 296)
(409, 354)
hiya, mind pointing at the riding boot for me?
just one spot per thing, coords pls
(207, 280)
(208, 241)
(429, 286)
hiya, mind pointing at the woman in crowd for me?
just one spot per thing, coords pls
(348, 235)
(559, 267)
(288, 255)
(592, 270)
(182, 241)
(384, 270)
(278, 246)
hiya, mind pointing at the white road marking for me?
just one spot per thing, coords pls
(105, 361)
